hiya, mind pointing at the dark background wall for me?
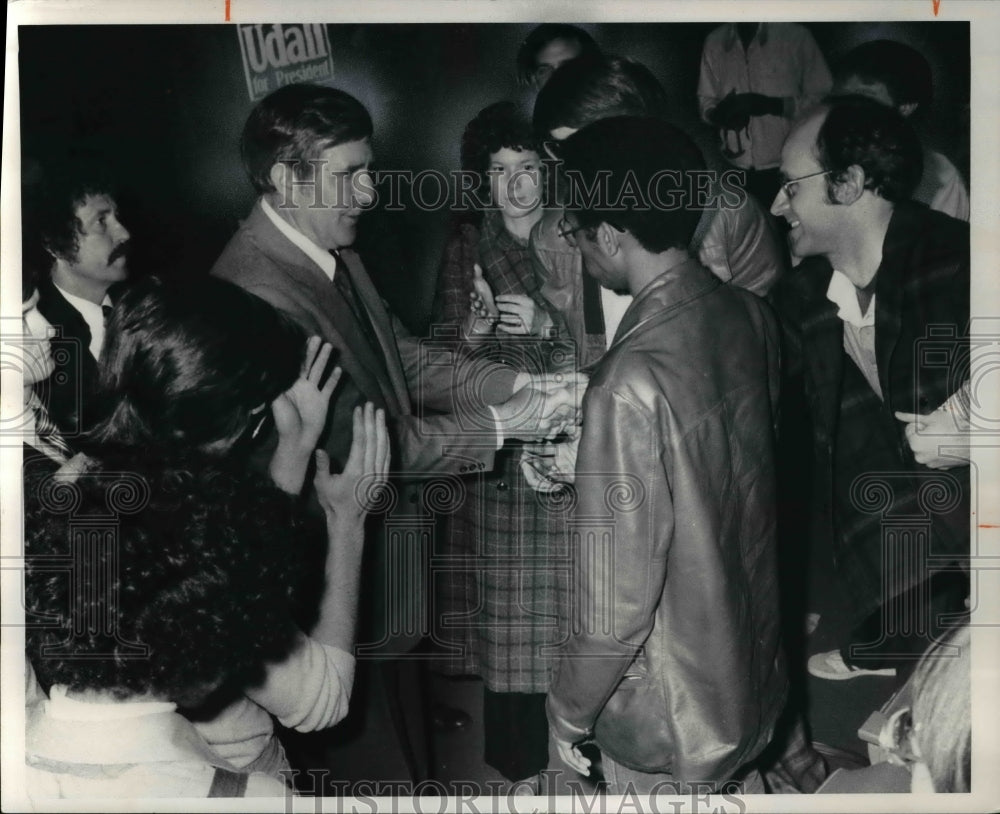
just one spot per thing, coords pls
(164, 106)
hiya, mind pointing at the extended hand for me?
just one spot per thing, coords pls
(572, 756)
(532, 414)
(547, 468)
(927, 434)
(349, 494)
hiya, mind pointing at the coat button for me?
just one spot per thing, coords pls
(502, 486)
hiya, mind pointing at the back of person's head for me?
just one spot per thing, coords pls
(586, 90)
(542, 36)
(296, 124)
(50, 227)
(636, 174)
(186, 365)
(186, 586)
(942, 712)
(859, 131)
(495, 127)
(902, 69)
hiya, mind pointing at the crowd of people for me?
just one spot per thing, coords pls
(636, 384)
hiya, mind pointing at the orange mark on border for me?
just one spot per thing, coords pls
(227, 8)
(937, 6)
(988, 526)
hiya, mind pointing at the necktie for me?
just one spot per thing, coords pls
(345, 285)
(106, 310)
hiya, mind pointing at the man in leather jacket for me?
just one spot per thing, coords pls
(674, 666)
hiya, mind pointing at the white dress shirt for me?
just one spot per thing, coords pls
(93, 315)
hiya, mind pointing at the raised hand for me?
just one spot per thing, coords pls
(300, 415)
(300, 412)
(348, 496)
(483, 313)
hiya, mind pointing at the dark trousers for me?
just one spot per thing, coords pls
(516, 733)
(878, 642)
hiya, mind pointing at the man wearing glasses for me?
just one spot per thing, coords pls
(734, 238)
(876, 326)
(674, 665)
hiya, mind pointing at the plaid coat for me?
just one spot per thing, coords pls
(501, 588)
(888, 519)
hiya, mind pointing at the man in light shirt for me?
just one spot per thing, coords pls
(86, 247)
(307, 150)
(876, 321)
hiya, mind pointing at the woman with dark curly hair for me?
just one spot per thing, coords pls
(191, 594)
(487, 291)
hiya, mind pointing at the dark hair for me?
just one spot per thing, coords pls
(942, 693)
(185, 364)
(295, 124)
(877, 138)
(586, 90)
(188, 583)
(495, 127)
(541, 36)
(50, 226)
(647, 163)
(903, 70)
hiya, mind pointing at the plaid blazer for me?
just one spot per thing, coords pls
(868, 488)
(500, 600)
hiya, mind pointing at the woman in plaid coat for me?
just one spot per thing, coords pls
(503, 603)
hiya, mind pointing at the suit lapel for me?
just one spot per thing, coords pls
(889, 294)
(378, 314)
(368, 367)
(823, 346)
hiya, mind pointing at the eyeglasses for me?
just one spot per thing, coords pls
(786, 186)
(553, 148)
(567, 232)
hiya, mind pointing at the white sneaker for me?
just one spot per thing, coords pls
(831, 665)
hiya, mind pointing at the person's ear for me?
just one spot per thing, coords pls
(908, 109)
(280, 176)
(851, 186)
(609, 239)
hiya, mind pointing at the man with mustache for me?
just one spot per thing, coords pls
(85, 245)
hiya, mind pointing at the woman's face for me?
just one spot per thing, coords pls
(516, 181)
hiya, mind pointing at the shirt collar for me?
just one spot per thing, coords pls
(321, 257)
(63, 708)
(843, 294)
(93, 315)
(732, 36)
(90, 311)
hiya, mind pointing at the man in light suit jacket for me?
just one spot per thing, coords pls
(307, 151)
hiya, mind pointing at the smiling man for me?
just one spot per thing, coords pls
(307, 150)
(880, 273)
(81, 237)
